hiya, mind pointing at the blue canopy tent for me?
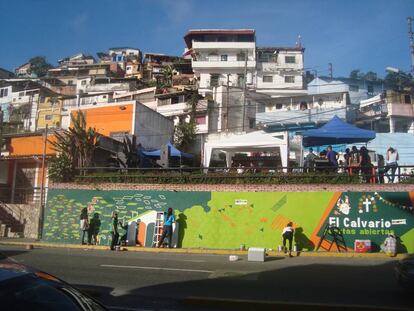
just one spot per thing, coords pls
(336, 131)
(174, 152)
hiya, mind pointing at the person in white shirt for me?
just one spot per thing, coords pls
(392, 164)
(287, 235)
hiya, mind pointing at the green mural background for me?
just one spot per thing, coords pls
(230, 219)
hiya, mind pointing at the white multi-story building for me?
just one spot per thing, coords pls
(222, 57)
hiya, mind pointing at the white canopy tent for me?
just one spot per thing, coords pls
(258, 141)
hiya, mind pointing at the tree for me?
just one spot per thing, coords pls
(39, 66)
(167, 73)
(355, 74)
(185, 133)
(370, 76)
(74, 146)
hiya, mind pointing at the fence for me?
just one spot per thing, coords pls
(254, 175)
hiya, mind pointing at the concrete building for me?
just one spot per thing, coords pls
(77, 59)
(388, 112)
(23, 71)
(222, 57)
(280, 71)
(358, 89)
(305, 111)
(155, 62)
(5, 74)
(118, 119)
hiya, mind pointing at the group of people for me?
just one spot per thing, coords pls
(356, 162)
(89, 227)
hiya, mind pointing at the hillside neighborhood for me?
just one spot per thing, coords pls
(222, 155)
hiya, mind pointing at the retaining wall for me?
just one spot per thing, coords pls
(227, 216)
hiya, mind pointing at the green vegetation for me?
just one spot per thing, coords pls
(177, 177)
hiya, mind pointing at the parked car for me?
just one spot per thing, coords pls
(404, 272)
(24, 288)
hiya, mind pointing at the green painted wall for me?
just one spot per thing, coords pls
(230, 219)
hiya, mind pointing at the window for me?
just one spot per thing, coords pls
(213, 57)
(267, 79)
(354, 88)
(200, 120)
(303, 106)
(70, 82)
(21, 94)
(4, 92)
(279, 106)
(407, 99)
(240, 80)
(290, 59)
(214, 79)
(48, 117)
(289, 79)
(83, 82)
(128, 68)
(241, 57)
(370, 89)
(224, 58)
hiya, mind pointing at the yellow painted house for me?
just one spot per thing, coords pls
(49, 112)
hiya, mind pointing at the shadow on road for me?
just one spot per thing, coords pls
(299, 287)
(11, 253)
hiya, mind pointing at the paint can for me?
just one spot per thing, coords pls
(295, 248)
(280, 248)
(242, 247)
(233, 258)
(117, 248)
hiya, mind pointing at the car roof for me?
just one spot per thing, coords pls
(10, 269)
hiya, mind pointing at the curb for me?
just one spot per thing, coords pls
(198, 250)
(258, 305)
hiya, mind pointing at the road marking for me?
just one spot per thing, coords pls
(193, 260)
(156, 268)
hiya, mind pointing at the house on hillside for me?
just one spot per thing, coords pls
(23, 71)
(77, 59)
(358, 89)
(5, 74)
(388, 112)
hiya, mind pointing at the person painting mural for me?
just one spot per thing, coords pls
(287, 235)
(169, 219)
(114, 232)
(83, 223)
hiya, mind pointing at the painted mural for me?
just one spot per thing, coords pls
(228, 220)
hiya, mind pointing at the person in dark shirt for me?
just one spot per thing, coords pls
(94, 227)
(114, 232)
(365, 164)
(331, 155)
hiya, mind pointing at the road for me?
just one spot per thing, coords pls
(157, 281)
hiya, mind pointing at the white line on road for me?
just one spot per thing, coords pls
(157, 268)
(193, 260)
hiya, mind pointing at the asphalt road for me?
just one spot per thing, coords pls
(158, 281)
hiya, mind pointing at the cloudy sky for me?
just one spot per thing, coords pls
(360, 34)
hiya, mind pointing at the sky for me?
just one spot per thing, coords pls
(360, 34)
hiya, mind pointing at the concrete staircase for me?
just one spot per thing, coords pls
(11, 224)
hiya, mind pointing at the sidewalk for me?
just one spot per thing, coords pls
(35, 243)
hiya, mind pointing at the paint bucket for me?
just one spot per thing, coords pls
(295, 248)
(280, 248)
(242, 247)
(233, 258)
(117, 248)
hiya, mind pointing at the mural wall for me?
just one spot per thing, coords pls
(230, 219)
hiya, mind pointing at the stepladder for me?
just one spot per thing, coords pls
(332, 235)
(159, 223)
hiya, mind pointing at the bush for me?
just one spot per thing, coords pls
(60, 169)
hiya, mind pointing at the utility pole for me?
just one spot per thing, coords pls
(411, 36)
(244, 87)
(227, 102)
(42, 189)
(1, 130)
(330, 70)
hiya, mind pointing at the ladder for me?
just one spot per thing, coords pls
(337, 238)
(159, 223)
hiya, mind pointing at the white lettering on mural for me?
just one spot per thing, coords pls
(240, 202)
(359, 223)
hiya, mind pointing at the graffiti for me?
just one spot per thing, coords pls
(229, 219)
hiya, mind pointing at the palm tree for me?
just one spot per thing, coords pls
(167, 73)
(77, 144)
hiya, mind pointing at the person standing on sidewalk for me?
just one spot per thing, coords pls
(114, 232)
(84, 224)
(287, 235)
(169, 219)
(94, 226)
